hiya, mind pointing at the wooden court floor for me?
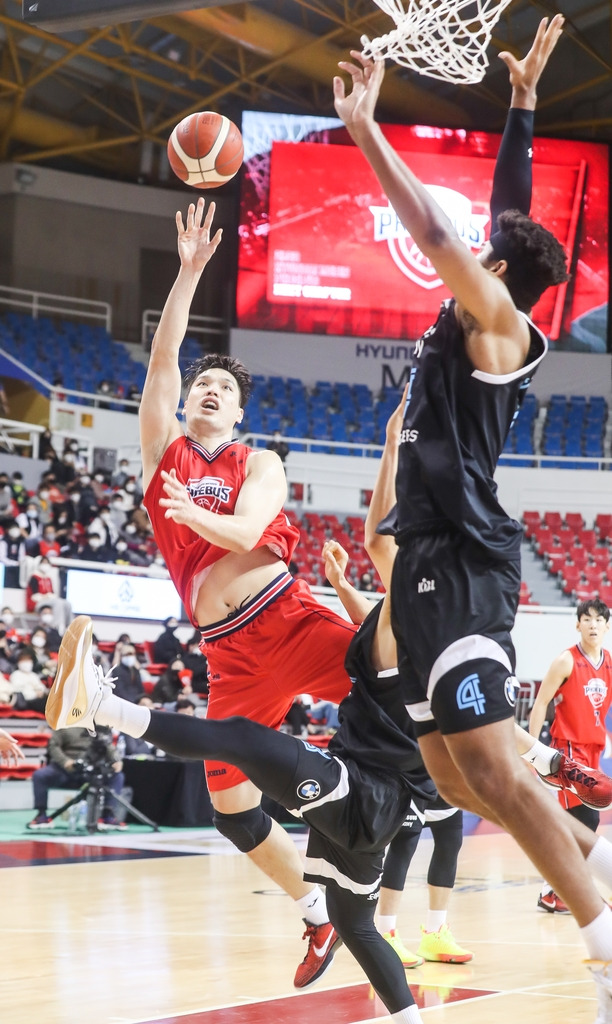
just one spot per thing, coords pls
(192, 933)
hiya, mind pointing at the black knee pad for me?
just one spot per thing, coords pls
(246, 829)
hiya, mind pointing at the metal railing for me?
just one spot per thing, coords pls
(198, 326)
(37, 303)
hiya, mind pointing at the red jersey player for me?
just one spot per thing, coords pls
(579, 681)
(216, 510)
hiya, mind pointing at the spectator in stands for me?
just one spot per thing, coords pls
(87, 508)
(27, 690)
(277, 445)
(5, 411)
(104, 388)
(67, 754)
(123, 641)
(128, 682)
(10, 751)
(133, 493)
(297, 718)
(20, 491)
(42, 652)
(173, 682)
(118, 514)
(57, 494)
(12, 552)
(104, 526)
(100, 487)
(185, 706)
(195, 660)
(366, 582)
(94, 549)
(7, 619)
(323, 715)
(7, 649)
(64, 469)
(45, 622)
(45, 446)
(99, 657)
(31, 526)
(167, 647)
(45, 505)
(72, 447)
(8, 505)
(121, 475)
(48, 544)
(43, 588)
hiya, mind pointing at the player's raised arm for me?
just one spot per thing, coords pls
(512, 178)
(162, 390)
(335, 561)
(382, 547)
(480, 292)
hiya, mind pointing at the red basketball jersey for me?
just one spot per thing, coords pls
(582, 702)
(213, 480)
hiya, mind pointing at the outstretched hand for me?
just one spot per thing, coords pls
(195, 245)
(10, 751)
(525, 74)
(366, 77)
(335, 560)
(177, 501)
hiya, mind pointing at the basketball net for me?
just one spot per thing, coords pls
(444, 39)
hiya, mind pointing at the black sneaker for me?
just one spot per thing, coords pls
(41, 821)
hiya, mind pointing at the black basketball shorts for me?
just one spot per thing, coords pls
(453, 608)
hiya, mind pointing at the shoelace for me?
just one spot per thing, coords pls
(106, 681)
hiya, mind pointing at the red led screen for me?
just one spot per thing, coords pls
(322, 252)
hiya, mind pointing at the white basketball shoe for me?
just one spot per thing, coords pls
(79, 685)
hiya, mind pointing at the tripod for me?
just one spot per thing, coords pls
(96, 792)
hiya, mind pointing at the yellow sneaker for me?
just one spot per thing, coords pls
(442, 947)
(408, 959)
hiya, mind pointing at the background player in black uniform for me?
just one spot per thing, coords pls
(457, 572)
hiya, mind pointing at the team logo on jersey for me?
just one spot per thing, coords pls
(406, 255)
(425, 586)
(469, 695)
(511, 690)
(309, 790)
(596, 691)
(209, 491)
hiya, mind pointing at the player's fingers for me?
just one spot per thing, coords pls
(179, 222)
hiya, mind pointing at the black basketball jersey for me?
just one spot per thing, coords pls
(455, 426)
(376, 731)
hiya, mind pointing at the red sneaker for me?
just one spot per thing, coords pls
(323, 941)
(552, 903)
(592, 786)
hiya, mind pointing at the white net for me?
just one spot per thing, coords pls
(444, 39)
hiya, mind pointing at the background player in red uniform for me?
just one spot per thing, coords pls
(579, 681)
(216, 510)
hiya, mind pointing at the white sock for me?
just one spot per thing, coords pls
(123, 715)
(410, 1015)
(598, 936)
(435, 920)
(599, 860)
(386, 923)
(313, 906)
(540, 756)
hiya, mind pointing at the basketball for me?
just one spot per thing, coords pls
(205, 150)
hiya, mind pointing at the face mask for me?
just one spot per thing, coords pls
(32, 513)
(94, 543)
(44, 495)
(130, 529)
(172, 626)
(100, 479)
(85, 479)
(8, 618)
(48, 619)
(50, 538)
(130, 488)
(129, 660)
(75, 498)
(121, 546)
(14, 533)
(158, 561)
(104, 515)
(25, 666)
(74, 447)
(38, 641)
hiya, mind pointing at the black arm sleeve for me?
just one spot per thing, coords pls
(512, 176)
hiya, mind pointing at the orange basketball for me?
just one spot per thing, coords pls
(205, 150)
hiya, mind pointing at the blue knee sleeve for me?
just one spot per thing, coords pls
(246, 829)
